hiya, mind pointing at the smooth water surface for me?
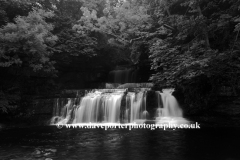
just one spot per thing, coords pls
(119, 144)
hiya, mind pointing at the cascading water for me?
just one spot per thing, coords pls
(102, 106)
(99, 107)
(138, 106)
(123, 76)
(114, 106)
(167, 104)
(168, 108)
(63, 112)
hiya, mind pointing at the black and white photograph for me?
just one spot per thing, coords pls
(119, 80)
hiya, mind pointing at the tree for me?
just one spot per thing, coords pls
(122, 22)
(27, 42)
(25, 50)
(195, 49)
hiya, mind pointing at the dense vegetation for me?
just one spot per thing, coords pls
(192, 45)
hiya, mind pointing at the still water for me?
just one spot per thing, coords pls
(49, 142)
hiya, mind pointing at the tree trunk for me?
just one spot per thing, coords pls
(205, 31)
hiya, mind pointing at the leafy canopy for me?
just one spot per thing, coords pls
(28, 42)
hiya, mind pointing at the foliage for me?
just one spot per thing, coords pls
(27, 42)
(36, 41)
(8, 101)
(197, 44)
(25, 50)
(122, 22)
(193, 45)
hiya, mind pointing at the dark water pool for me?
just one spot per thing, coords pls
(46, 143)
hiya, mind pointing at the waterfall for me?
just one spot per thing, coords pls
(114, 106)
(63, 112)
(138, 106)
(167, 104)
(168, 111)
(102, 106)
(99, 107)
(123, 76)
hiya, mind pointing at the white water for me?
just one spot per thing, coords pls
(167, 104)
(102, 106)
(114, 106)
(63, 115)
(169, 111)
(96, 104)
(138, 106)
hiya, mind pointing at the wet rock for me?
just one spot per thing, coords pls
(51, 150)
(43, 153)
(46, 154)
(37, 152)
